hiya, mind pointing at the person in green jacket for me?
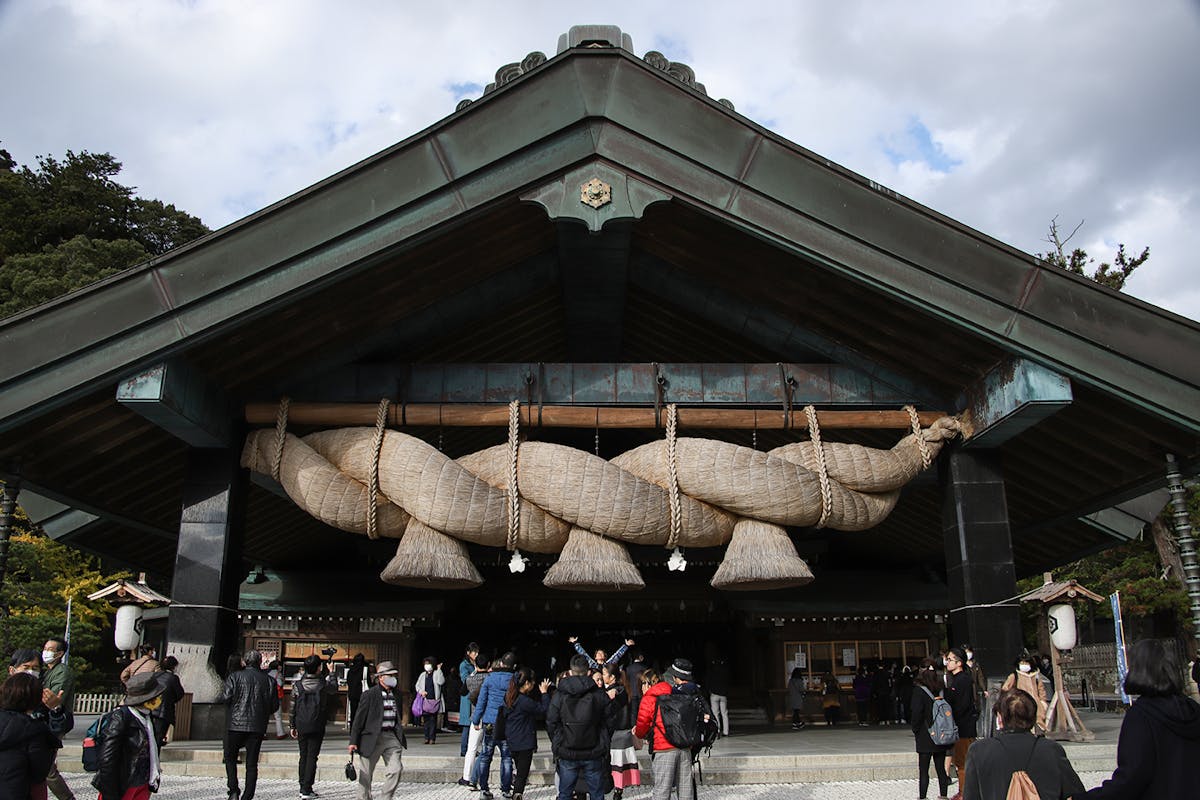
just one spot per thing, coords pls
(59, 678)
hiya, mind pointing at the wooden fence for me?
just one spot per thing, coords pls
(96, 703)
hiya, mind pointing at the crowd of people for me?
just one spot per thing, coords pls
(597, 714)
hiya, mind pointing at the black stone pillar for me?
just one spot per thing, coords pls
(203, 625)
(979, 559)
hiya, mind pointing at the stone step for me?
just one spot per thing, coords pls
(718, 768)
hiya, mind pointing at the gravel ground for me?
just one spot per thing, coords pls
(180, 788)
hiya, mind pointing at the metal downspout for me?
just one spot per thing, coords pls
(1181, 522)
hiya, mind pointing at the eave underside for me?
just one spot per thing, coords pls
(109, 460)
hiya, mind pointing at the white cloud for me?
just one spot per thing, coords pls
(223, 107)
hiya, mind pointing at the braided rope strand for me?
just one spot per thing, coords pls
(373, 477)
(673, 472)
(922, 445)
(280, 436)
(514, 496)
(814, 433)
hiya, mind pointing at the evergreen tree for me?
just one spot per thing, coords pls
(69, 223)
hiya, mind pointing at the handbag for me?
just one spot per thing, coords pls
(431, 706)
(418, 706)
(351, 773)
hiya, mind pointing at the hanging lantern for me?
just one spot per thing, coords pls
(127, 634)
(1061, 620)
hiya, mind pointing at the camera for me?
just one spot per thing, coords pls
(328, 651)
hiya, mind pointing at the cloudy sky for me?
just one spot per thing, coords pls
(1001, 115)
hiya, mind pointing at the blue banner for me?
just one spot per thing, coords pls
(1119, 626)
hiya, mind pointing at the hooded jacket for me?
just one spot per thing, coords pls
(579, 686)
(1157, 751)
(27, 749)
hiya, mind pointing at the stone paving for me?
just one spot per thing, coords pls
(180, 788)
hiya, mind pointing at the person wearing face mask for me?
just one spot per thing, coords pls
(128, 749)
(59, 679)
(429, 689)
(377, 733)
(1024, 677)
(27, 661)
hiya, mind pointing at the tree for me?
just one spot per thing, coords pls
(69, 223)
(41, 576)
(1111, 275)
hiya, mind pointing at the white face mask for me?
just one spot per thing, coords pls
(48, 656)
(388, 680)
(1024, 668)
(970, 655)
(429, 667)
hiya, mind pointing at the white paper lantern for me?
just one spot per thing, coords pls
(127, 633)
(1062, 626)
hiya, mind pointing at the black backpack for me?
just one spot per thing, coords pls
(683, 721)
(93, 737)
(309, 710)
(580, 728)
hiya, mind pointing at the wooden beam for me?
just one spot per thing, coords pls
(1016, 395)
(451, 415)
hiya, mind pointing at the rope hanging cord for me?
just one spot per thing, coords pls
(673, 479)
(373, 480)
(814, 433)
(280, 437)
(514, 495)
(926, 456)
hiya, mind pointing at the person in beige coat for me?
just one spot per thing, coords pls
(146, 662)
(1025, 677)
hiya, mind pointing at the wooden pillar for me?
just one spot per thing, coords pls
(203, 626)
(979, 559)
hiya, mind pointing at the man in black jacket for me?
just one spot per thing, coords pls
(578, 725)
(377, 733)
(310, 706)
(252, 700)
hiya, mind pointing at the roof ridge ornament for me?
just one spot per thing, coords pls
(593, 36)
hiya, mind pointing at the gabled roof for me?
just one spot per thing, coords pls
(467, 243)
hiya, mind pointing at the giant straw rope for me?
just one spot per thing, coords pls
(548, 498)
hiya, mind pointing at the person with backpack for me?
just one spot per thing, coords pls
(491, 699)
(27, 747)
(128, 751)
(524, 705)
(927, 693)
(1017, 765)
(674, 717)
(306, 720)
(579, 728)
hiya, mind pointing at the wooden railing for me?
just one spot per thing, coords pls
(96, 703)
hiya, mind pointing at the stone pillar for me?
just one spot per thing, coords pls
(979, 558)
(203, 626)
